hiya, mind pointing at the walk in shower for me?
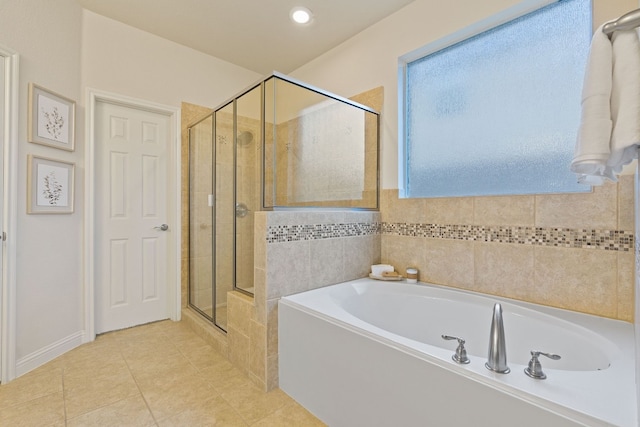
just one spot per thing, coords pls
(278, 144)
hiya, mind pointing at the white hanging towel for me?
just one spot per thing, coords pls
(625, 100)
(609, 132)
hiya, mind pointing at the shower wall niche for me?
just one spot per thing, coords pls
(279, 144)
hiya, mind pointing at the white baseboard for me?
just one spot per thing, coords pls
(48, 353)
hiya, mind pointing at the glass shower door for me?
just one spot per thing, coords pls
(201, 217)
(248, 175)
(224, 212)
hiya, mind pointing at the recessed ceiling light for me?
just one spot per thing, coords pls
(300, 15)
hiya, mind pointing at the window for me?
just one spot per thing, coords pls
(496, 113)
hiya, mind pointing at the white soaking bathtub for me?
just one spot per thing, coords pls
(370, 353)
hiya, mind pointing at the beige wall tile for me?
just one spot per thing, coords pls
(258, 351)
(240, 312)
(288, 268)
(359, 254)
(457, 210)
(326, 259)
(360, 216)
(626, 286)
(596, 210)
(304, 217)
(272, 372)
(402, 210)
(260, 295)
(260, 240)
(372, 98)
(504, 269)
(577, 279)
(272, 328)
(239, 349)
(504, 210)
(387, 197)
(626, 209)
(449, 262)
(184, 282)
(403, 252)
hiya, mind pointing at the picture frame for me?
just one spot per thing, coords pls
(51, 119)
(50, 186)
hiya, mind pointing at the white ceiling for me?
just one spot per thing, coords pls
(254, 34)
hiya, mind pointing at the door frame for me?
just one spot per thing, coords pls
(174, 212)
(9, 147)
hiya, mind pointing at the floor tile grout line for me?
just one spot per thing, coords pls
(30, 399)
(135, 380)
(98, 407)
(220, 394)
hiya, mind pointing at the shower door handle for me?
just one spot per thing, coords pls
(163, 227)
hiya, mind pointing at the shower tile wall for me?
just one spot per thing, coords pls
(224, 196)
(577, 255)
(329, 176)
(294, 252)
(343, 247)
(248, 183)
(573, 251)
(320, 249)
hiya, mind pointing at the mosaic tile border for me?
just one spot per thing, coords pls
(610, 240)
(294, 233)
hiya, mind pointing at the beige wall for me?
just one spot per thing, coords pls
(122, 59)
(49, 285)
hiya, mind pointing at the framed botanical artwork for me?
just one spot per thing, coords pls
(51, 118)
(49, 186)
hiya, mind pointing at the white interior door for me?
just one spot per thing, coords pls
(131, 216)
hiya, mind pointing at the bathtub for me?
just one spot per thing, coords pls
(370, 353)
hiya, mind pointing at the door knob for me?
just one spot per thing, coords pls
(163, 227)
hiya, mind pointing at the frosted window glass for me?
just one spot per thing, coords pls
(498, 113)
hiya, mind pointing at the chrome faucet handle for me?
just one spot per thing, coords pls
(460, 355)
(534, 370)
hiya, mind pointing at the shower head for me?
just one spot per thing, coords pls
(245, 138)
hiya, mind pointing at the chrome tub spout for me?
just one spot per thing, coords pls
(497, 358)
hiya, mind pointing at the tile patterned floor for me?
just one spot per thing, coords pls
(160, 374)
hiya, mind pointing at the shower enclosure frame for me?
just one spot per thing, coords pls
(261, 182)
(191, 305)
(330, 95)
(214, 207)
